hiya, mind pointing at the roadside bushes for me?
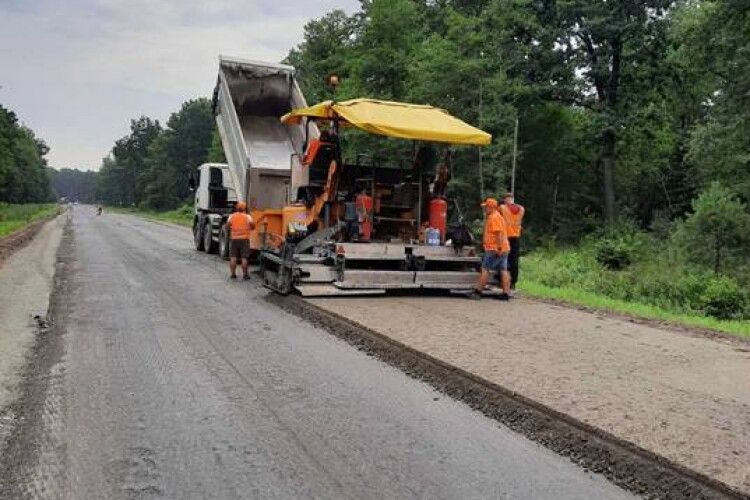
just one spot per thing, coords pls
(635, 267)
(723, 298)
(16, 216)
(717, 232)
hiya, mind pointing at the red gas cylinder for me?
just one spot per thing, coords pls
(364, 210)
(438, 211)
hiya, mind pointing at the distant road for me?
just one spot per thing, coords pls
(177, 383)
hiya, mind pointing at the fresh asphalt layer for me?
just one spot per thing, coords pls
(175, 382)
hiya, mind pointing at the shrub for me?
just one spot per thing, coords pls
(723, 298)
(613, 253)
(717, 232)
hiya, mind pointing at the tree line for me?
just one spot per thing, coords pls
(626, 109)
(150, 166)
(24, 176)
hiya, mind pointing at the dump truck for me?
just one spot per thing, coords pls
(263, 167)
(327, 224)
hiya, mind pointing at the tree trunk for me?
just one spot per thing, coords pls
(607, 160)
(717, 252)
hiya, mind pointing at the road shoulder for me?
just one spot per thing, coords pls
(26, 280)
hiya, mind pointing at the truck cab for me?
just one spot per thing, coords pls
(215, 198)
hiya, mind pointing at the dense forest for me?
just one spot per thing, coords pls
(634, 131)
(626, 108)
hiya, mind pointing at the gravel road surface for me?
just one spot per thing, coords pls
(680, 395)
(175, 382)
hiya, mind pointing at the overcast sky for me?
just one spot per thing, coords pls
(77, 71)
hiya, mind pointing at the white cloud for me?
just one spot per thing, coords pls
(77, 71)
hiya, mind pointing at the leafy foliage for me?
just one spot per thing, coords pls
(717, 233)
(23, 173)
(723, 298)
(150, 166)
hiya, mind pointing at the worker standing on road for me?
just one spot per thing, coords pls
(496, 249)
(513, 216)
(240, 224)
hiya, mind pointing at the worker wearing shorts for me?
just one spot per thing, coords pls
(495, 262)
(240, 225)
(496, 249)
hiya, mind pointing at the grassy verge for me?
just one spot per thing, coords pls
(182, 216)
(646, 311)
(14, 217)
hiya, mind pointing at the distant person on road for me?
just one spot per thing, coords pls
(496, 249)
(512, 213)
(240, 224)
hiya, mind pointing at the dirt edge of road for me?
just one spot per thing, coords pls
(623, 463)
(693, 331)
(30, 435)
(13, 242)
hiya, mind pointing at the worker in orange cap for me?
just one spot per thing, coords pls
(512, 213)
(240, 224)
(496, 249)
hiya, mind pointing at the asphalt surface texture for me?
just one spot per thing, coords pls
(162, 378)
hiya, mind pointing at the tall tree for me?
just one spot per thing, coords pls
(121, 177)
(326, 49)
(23, 173)
(179, 149)
(716, 37)
(607, 43)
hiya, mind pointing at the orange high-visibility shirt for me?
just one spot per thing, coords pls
(495, 238)
(240, 224)
(513, 215)
(313, 147)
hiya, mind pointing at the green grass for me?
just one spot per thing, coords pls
(182, 216)
(15, 217)
(646, 311)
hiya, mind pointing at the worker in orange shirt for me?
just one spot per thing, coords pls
(513, 215)
(496, 249)
(240, 224)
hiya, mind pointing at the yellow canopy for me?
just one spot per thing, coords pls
(395, 119)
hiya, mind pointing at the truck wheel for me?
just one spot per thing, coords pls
(224, 243)
(209, 245)
(198, 236)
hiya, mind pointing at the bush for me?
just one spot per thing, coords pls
(559, 268)
(613, 253)
(723, 298)
(717, 233)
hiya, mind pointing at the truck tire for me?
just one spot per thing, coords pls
(224, 243)
(209, 245)
(198, 236)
